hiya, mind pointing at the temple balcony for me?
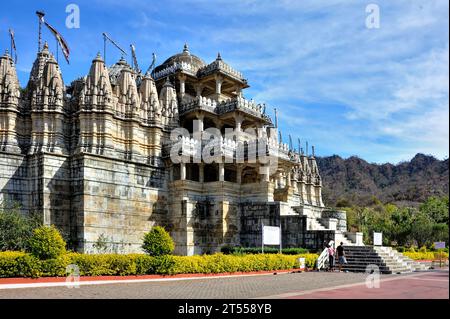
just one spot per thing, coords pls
(230, 150)
(238, 103)
(192, 148)
(174, 68)
(219, 66)
(197, 103)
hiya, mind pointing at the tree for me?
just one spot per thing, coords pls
(401, 225)
(436, 208)
(422, 228)
(157, 242)
(440, 232)
(16, 228)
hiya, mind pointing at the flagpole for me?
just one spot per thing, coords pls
(57, 50)
(40, 14)
(104, 48)
(11, 43)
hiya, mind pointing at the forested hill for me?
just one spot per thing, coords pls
(355, 181)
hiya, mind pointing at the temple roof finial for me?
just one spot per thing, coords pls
(186, 48)
(219, 57)
(45, 46)
(98, 57)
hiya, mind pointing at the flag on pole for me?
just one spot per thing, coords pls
(13, 45)
(152, 66)
(62, 43)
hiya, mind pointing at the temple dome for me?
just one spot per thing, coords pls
(184, 56)
(116, 69)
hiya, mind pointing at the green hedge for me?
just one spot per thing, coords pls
(258, 250)
(18, 264)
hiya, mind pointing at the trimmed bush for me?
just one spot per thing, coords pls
(19, 264)
(55, 267)
(411, 250)
(157, 242)
(47, 243)
(425, 256)
(105, 264)
(162, 265)
(219, 263)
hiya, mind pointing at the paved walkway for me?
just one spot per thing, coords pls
(288, 285)
(424, 285)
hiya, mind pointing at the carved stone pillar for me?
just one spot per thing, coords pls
(219, 81)
(221, 172)
(266, 173)
(198, 89)
(182, 79)
(238, 119)
(239, 90)
(239, 174)
(201, 173)
(199, 126)
(182, 171)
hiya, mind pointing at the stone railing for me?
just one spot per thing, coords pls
(198, 103)
(189, 146)
(192, 147)
(230, 105)
(229, 148)
(281, 150)
(225, 146)
(273, 148)
(241, 104)
(219, 65)
(171, 69)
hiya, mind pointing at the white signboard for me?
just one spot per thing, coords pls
(378, 239)
(301, 262)
(271, 235)
(439, 245)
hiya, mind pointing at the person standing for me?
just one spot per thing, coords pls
(331, 257)
(341, 256)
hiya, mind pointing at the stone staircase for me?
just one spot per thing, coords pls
(389, 253)
(341, 237)
(387, 260)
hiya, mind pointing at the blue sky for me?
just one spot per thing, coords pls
(380, 94)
